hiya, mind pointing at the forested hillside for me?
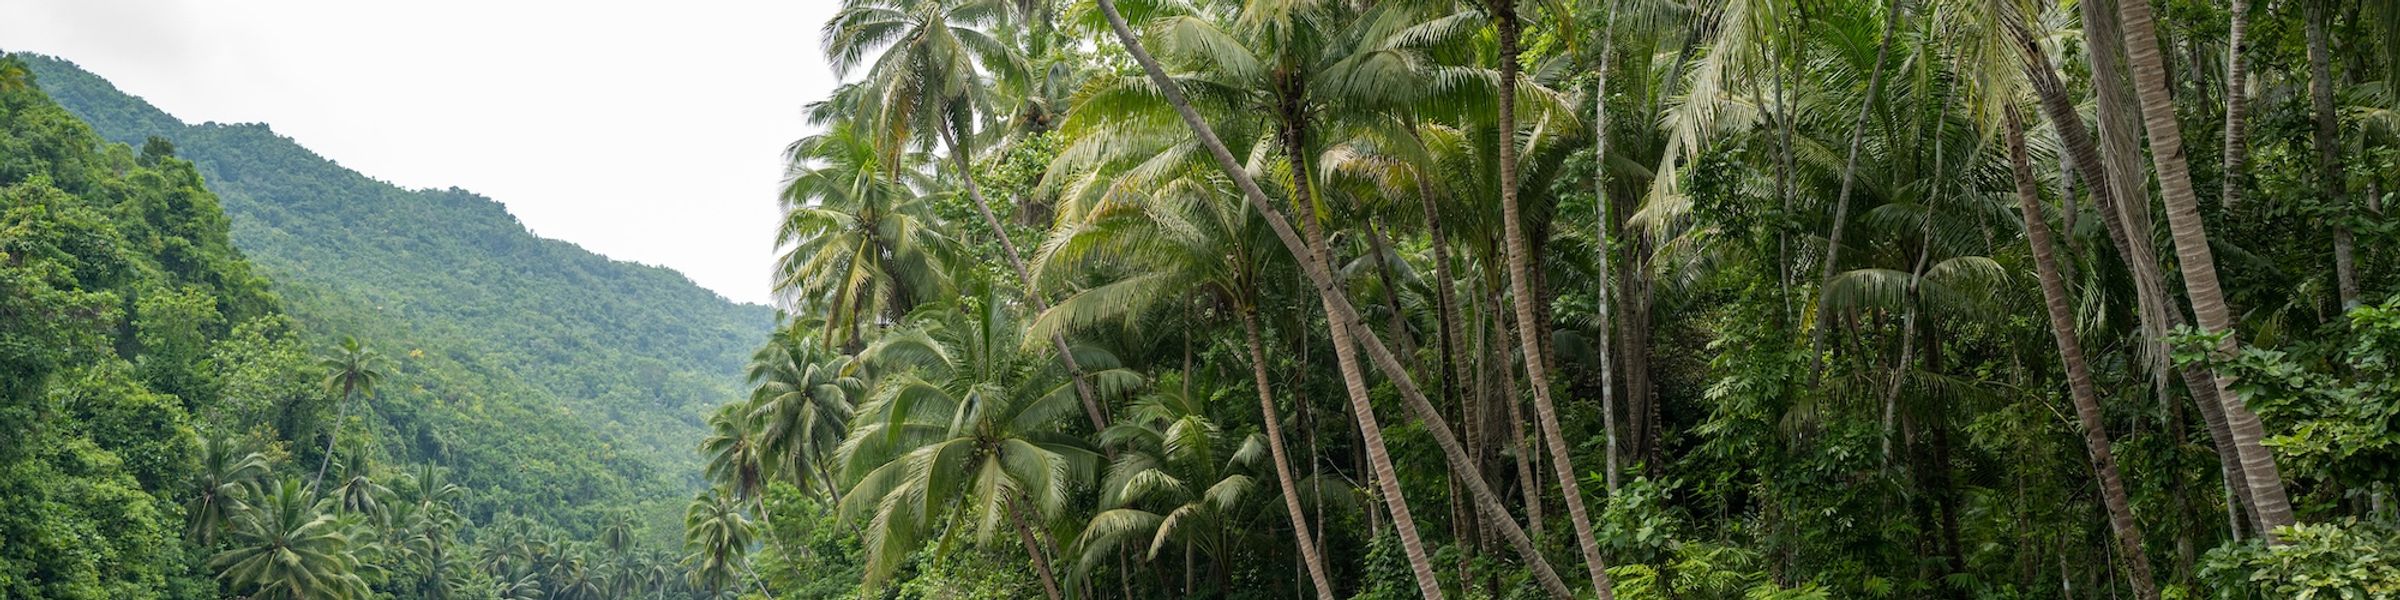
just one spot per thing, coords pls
(1754, 299)
(557, 377)
(172, 431)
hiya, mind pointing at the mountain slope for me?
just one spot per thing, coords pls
(484, 312)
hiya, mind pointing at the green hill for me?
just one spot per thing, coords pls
(565, 383)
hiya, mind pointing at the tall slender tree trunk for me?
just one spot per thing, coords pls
(1328, 291)
(2329, 149)
(1529, 479)
(1276, 452)
(2132, 240)
(2237, 106)
(1041, 562)
(1607, 253)
(2197, 261)
(340, 415)
(1841, 200)
(1345, 353)
(2079, 376)
(1016, 262)
(1530, 328)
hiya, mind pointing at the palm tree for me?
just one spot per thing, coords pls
(1177, 477)
(1530, 329)
(963, 424)
(1342, 316)
(931, 57)
(802, 396)
(737, 457)
(2237, 105)
(13, 76)
(2111, 198)
(352, 371)
(226, 470)
(862, 241)
(290, 547)
(2197, 261)
(2079, 375)
(1841, 203)
(358, 492)
(2327, 138)
(424, 519)
(717, 538)
(1172, 232)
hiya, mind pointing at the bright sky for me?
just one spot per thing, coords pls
(646, 131)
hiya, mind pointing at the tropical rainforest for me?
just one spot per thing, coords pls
(1213, 299)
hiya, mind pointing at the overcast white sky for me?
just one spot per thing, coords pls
(646, 131)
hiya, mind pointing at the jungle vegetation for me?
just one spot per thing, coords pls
(1579, 299)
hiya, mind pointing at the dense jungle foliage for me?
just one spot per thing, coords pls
(1573, 299)
(180, 423)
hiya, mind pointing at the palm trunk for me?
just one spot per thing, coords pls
(2237, 147)
(341, 414)
(1033, 295)
(1529, 327)
(2132, 240)
(1398, 321)
(2079, 376)
(1444, 294)
(1607, 254)
(1340, 310)
(1033, 549)
(1275, 451)
(1345, 353)
(2329, 154)
(1841, 201)
(2197, 261)
(1529, 479)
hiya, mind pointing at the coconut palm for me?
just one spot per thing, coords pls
(717, 540)
(802, 396)
(1171, 231)
(862, 244)
(934, 61)
(962, 423)
(1179, 476)
(352, 371)
(227, 468)
(289, 546)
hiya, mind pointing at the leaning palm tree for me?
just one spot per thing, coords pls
(1530, 331)
(2198, 262)
(962, 423)
(289, 546)
(352, 371)
(227, 468)
(2055, 302)
(1144, 205)
(1347, 327)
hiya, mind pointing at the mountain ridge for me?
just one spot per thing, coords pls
(634, 352)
